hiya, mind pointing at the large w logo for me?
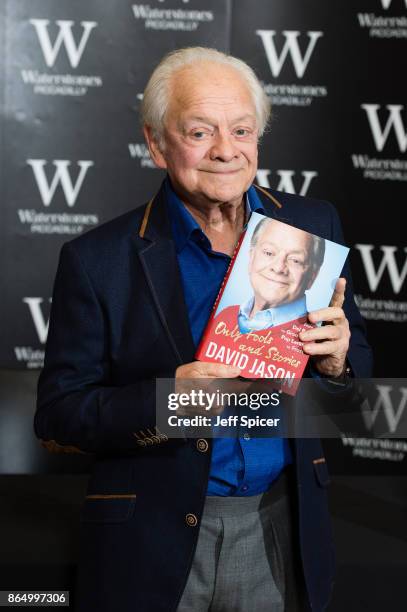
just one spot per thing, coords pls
(291, 47)
(386, 3)
(384, 404)
(65, 37)
(286, 182)
(61, 175)
(388, 263)
(40, 323)
(394, 121)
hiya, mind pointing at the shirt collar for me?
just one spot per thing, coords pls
(270, 316)
(183, 224)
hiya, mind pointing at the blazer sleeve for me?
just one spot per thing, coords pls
(360, 355)
(76, 404)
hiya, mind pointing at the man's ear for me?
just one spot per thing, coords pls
(311, 278)
(154, 147)
(251, 257)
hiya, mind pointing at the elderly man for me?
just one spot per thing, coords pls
(186, 524)
(283, 264)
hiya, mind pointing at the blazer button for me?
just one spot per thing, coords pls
(191, 520)
(202, 445)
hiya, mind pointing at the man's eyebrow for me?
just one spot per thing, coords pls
(210, 121)
(244, 118)
(200, 118)
(273, 244)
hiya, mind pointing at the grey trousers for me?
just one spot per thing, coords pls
(247, 556)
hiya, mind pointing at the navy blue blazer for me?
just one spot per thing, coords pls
(118, 321)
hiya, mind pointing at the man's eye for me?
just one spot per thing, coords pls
(241, 132)
(198, 135)
(268, 253)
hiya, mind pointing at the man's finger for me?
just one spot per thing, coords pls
(338, 296)
(332, 313)
(321, 348)
(219, 370)
(326, 332)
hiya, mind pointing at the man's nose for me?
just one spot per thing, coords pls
(223, 148)
(279, 264)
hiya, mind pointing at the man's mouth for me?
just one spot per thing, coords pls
(229, 171)
(275, 281)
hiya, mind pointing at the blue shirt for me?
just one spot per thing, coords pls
(239, 466)
(270, 316)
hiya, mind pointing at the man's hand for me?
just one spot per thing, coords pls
(186, 377)
(199, 369)
(329, 344)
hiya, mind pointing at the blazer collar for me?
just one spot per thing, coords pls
(158, 258)
(272, 204)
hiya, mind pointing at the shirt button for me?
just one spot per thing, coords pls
(246, 436)
(202, 445)
(244, 488)
(191, 520)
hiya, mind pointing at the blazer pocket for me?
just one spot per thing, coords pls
(108, 508)
(321, 472)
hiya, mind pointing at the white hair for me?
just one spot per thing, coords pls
(156, 94)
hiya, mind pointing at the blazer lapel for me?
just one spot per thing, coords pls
(272, 205)
(159, 261)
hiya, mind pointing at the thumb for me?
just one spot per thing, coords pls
(338, 296)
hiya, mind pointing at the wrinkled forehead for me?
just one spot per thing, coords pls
(210, 87)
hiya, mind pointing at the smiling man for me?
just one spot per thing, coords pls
(283, 264)
(223, 525)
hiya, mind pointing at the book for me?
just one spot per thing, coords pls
(278, 274)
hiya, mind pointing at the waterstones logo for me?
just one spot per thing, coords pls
(61, 176)
(52, 44)
(140, 152)
(390, 265)
(34, 357)
(57, 223)
(390, 405)
(386, 127)
(287, 182)
(385, 26)
(295, 55)
(175, 19)
(377, 448)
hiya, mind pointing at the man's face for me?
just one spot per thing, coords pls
(279, 265)
(210, 135)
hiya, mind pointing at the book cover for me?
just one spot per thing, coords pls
(277, 275)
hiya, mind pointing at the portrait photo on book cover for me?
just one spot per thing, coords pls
(280, 274)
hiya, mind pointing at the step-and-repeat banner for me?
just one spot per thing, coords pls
(72, 154)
